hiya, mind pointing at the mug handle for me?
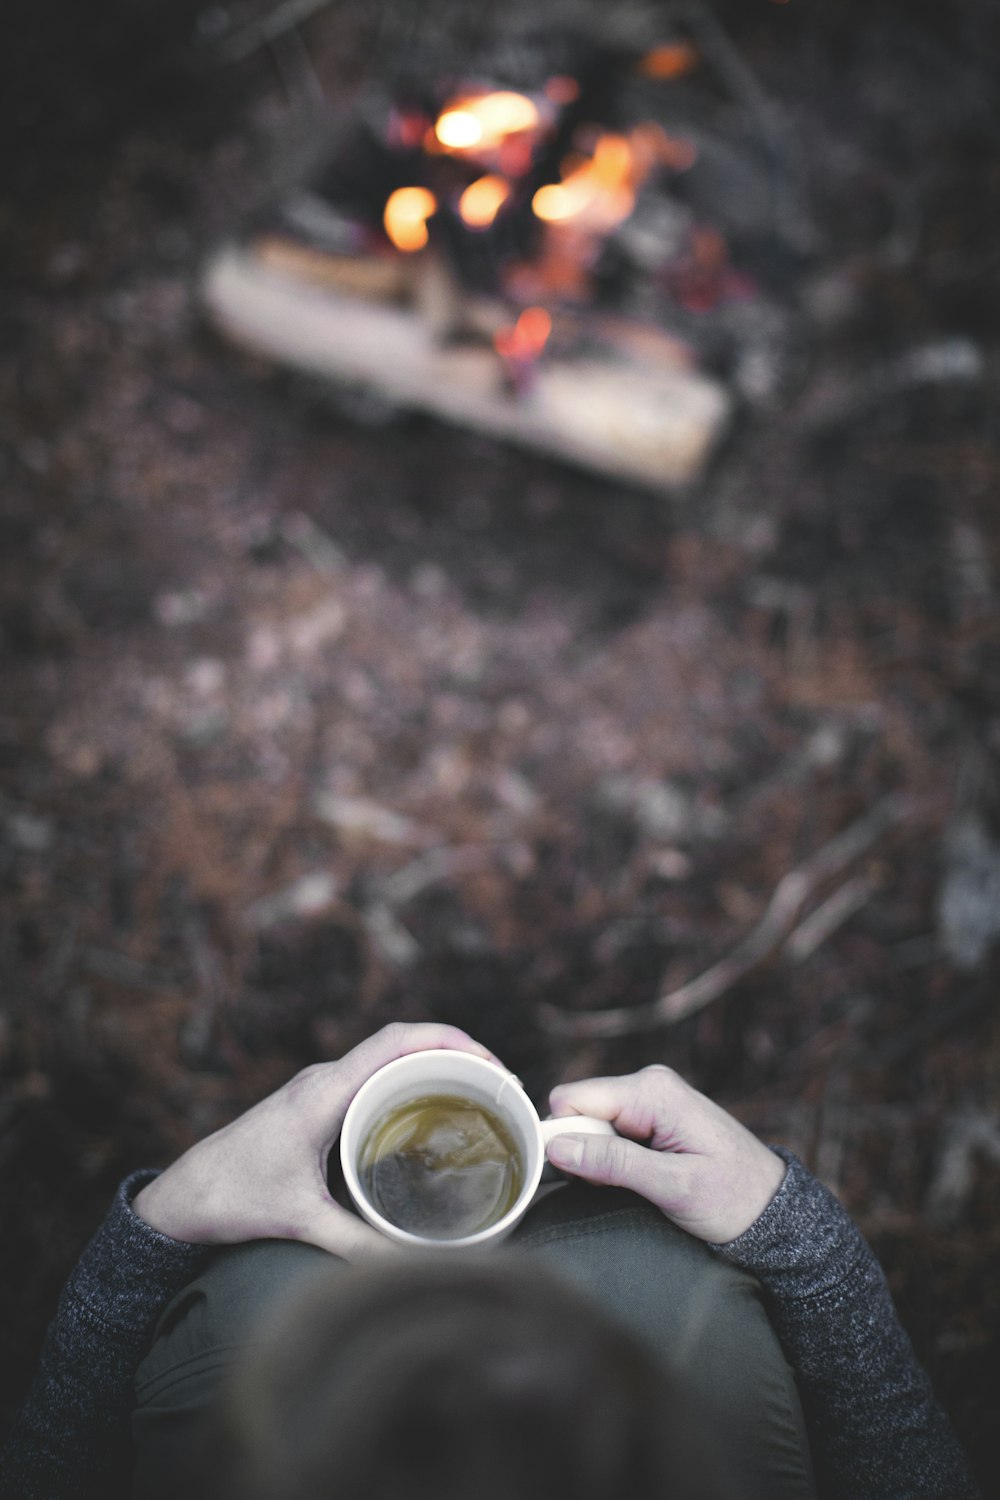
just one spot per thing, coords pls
(565, 1125)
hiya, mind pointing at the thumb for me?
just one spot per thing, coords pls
(612, 1160)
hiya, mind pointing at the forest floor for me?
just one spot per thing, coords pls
(317, 715)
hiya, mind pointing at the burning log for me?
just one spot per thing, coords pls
(474, 252)
(648, 420)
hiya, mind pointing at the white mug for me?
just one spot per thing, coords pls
(447, 1072)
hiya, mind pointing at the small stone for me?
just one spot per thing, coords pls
(428, 581)
(969, 898)
(658, 809)
(30, 831)
(670, 864)
(361, 816)
(306, 897)
(206, 677)
(317, 628)
(181, 608)
(205, 726)
(263, 649)
(515, 792)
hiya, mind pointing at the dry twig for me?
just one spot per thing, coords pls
(209, 970)
(298, 75)
(777, 924)
(838, 908)
(276, 22)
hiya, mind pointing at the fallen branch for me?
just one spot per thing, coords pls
(854, 393)
(779, 921)
(315, 545)
(123, 969)
(649, 419)
(209, 971)
(788, 194)
(233, 46)
(297, 72)
(431, 868)
(838, 908)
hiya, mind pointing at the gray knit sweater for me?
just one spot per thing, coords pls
(876, 1431)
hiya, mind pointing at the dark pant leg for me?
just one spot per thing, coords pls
(703, 1318)
(199, 1335)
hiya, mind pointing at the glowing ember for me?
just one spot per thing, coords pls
(672, 60)
(562, 89)
(405, 130)
(524, 340)
(482, 121)
(651, 146)
(405, 217)
(482, 201)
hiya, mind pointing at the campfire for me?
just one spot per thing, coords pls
(523, 260)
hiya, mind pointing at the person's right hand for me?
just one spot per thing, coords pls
(674, 1147)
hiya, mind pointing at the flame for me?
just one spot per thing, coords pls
(525, 339)
(405, 217)
(558, 200)
(458, 129)
(598, 191)
(481, 122)
(671, 60)
(483, 200)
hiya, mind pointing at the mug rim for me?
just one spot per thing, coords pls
(529, 1187)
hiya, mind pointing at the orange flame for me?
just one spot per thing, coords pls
(481, 122)
(598, 192)
(483, 200)
(405, 217)
(525, 339)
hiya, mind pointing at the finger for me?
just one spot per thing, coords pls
(614, 1099)
(395, 1040)
(587, 1096)
(614, 1161)
(398, 1039)
(322, 1093)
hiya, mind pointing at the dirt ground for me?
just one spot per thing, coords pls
(317, 715)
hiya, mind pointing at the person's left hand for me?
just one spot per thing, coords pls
(264, 1175)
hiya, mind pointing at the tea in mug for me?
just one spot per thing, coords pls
(441, 1167)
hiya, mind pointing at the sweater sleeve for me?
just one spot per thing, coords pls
(876, 1431)
(71, 1438)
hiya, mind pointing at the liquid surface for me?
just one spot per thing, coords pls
(441, 1166)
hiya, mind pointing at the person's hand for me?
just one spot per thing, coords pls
(264, 1175)
(698, 1165)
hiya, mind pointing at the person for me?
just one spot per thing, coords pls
(694, 1314)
